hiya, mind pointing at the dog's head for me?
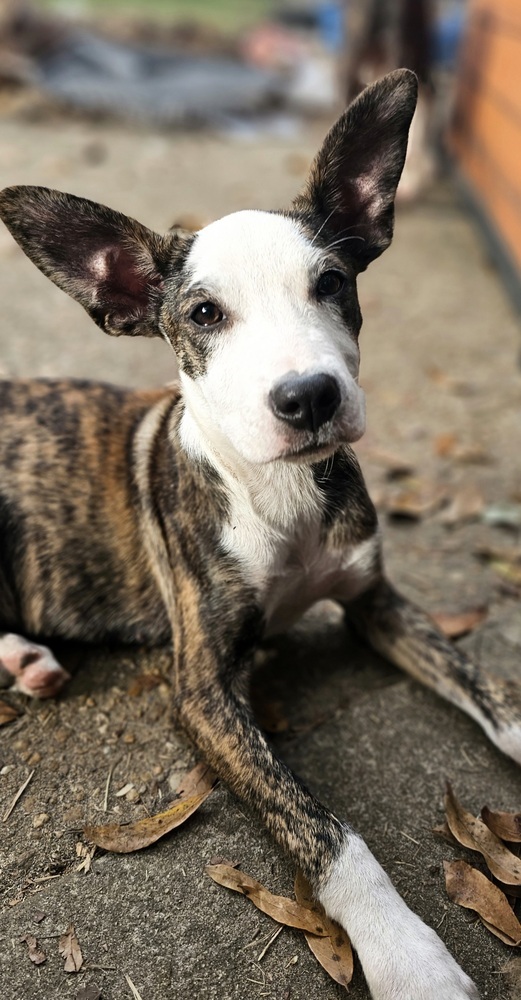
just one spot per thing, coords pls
(261, 308)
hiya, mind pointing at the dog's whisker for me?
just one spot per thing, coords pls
(325, 222)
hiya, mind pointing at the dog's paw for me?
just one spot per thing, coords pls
(29, 668)
(416, 966)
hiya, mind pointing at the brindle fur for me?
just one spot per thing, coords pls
(110, 529)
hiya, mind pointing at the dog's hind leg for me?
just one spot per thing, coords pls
(30, 668)
(407, 637)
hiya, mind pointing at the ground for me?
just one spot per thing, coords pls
(440, 347)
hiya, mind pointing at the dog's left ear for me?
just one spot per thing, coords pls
(353, 180)
(110, 263)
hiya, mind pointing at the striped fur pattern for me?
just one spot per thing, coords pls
(218, 512)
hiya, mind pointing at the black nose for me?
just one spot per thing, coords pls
(305, 401)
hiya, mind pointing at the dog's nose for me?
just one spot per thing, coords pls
(305, 401)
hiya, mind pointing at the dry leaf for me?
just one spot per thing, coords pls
(471, 889)
(460, 624)
(459, 386)
(7, 713)
(122, 839)
(416, 500)
(36, 955)
(144, 682)
(511, 572)
(334, 952)
(466, 505)
(69, 948)
(504, 824)
(473, 833)
(448, 446)
(444, 444)
(502, 553)
(283, 910)
(395, 465)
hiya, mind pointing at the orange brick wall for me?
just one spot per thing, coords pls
(485, 136)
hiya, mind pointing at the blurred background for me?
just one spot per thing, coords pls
(180, 111)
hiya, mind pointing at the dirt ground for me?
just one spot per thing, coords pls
(440, 367)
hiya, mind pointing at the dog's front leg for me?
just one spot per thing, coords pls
(402, 958)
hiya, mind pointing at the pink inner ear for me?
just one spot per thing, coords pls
(120, 278)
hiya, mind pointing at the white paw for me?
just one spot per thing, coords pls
(402, 958)
(416, 966)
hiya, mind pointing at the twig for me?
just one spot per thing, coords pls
(18, 795)
(107, 786)
(270, 942)
(135, 992)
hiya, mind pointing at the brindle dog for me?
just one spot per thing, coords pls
(218, 512)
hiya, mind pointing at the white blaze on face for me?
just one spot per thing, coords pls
(258, 267)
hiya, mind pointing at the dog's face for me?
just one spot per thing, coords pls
(261, 308)
(265, 324)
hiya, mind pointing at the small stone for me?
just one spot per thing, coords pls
(40, 819)
(132, 795)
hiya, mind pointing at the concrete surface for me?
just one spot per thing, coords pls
(440, 347)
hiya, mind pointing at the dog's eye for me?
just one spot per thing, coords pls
(330, 283)
(207, 314)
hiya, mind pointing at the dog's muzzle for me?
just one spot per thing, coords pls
(305, 402)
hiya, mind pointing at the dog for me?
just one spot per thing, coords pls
(215, 513)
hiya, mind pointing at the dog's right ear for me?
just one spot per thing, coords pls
(111, 264)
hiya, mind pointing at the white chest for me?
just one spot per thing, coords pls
(291, 570)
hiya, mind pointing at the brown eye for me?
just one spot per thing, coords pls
(207, 314)
(330, 283)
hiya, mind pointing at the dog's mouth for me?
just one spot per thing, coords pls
(310, 453)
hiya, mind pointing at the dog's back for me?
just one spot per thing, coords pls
(66, 455)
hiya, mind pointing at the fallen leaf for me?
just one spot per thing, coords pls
(122, 839)
(218, 859)
(448, 446)
(466, 505)
(473, 833)
(471, 889)
(144, 682)
(456, 625)
(444, 444)
(283, 910)
(500, 553)
(511, 572)
(69, 949)
(334, 952)
(443, 831)
(395, 465)
(504, 824)
(416, 500)
(7, 713)
(459, 386)
(35, 953)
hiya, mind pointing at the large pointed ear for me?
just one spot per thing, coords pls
(111, 264)
(352, 184)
